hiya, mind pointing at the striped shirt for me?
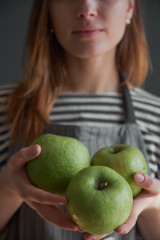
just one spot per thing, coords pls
(99, 110)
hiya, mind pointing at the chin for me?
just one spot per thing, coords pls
(88, 54)
(91, 50)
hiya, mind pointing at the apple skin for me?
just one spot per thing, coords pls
(60, 159)
(99, 211)
(124, 159)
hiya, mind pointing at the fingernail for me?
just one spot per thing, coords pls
(36, 150)
(123, 231)
(120, 230)
(62, 203)
(140, 177)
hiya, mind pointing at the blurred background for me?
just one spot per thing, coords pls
(14, 17)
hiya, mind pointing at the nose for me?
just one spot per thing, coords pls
(87, 10)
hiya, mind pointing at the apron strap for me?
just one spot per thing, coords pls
(127, 103)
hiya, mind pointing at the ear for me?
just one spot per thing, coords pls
(130, 10)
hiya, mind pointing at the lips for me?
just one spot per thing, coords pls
(87, 33)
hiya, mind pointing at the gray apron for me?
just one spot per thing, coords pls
(26, 224)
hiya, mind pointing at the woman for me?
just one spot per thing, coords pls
(83, 55)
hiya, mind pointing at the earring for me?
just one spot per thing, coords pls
(128, 21)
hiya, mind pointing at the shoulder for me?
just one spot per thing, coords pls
(5, 90)
(140, 94)
(146, 101)
(148, 97)
(147, 111)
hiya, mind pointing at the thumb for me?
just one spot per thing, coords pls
(30, 152)
(147, 182)
(26, 154)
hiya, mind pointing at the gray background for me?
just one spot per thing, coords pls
(14, 15)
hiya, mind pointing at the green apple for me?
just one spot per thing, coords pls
(99, 199)
(124, 159)
(60, 159)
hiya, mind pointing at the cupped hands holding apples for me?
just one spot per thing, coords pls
(99, 204)
(93, 194)
(19, 189)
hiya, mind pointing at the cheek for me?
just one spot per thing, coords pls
(62, 35)
(57, 22)
(117, 25)
(117, 18)
(61, 26)
(58, 17)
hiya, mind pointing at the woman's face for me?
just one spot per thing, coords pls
(88, 28)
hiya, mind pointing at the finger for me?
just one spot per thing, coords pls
(54, 216)
(25, 154)
(140, 203)
(147, 182)
(31, 193)
(40, 196)
(130, 223)
(88, 236)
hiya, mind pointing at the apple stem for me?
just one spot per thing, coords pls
(102, 186)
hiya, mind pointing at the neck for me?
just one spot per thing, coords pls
(94, 75)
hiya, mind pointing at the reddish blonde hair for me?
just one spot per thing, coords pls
(31, 101)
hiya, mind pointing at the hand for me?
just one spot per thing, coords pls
(44, 203)
(149, 198)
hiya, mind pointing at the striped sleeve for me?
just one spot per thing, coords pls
(4, 127)
(147, 110)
